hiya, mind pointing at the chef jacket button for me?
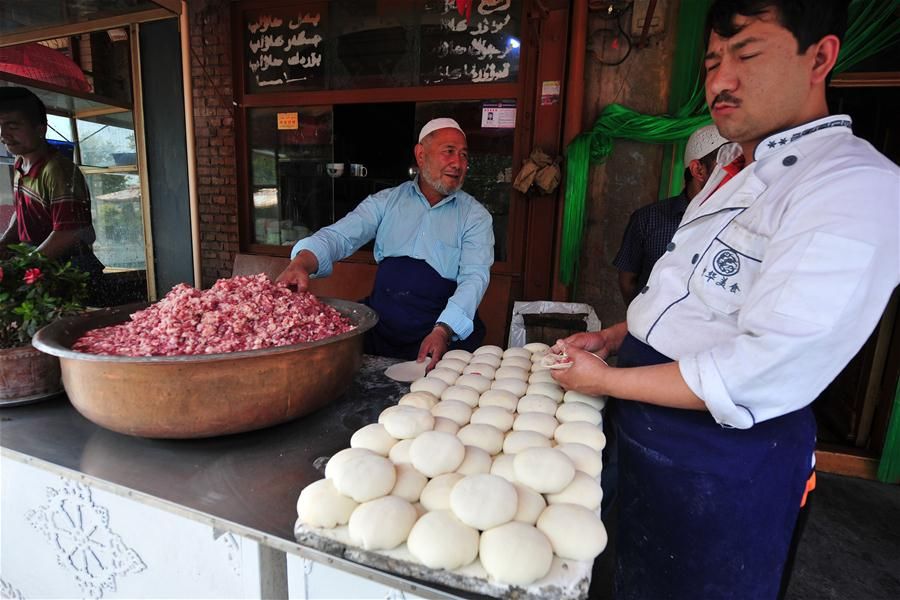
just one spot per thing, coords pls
(646, 287)
(789, 160)
(670, 247)
(695, 259)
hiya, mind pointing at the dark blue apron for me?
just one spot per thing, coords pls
(704, 511)
(409, 296)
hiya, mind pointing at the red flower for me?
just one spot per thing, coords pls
(1, 273)
(32, 275)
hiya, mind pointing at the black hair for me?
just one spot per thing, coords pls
(807, 20)
(25, 101)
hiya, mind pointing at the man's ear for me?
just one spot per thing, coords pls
(419, 152)
(698, 171)
(825, 56)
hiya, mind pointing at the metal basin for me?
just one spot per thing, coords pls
(203, 395)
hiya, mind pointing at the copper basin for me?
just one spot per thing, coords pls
(203, 395)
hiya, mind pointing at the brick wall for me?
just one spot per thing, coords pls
(211, 75)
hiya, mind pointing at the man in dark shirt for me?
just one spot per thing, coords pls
(651, 227)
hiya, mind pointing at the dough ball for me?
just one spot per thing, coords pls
(516, 441)
(518, 362)
(503, 467)
(441, 541)
(419, 399)
(432, 385)
(573, 396)
(518, 352)
(575, 532)
(436, 495)
(578, 411)
(482, 369)
(321, 505)
(461, 393)
(337, 461)
(534, 347)
(585, 458)
(581, 433)
(456, 411)
(531, 504)
(476, 461)
(536, 403)
(545, 470)
(515, 553)
(486, 437)
(502, 398)
(495, 416)
(486, 359)
(399, 453)
(446, 425)
(483, 501)
(538, 422)
(448, 376)
(511, 373)
(551, 390)
(382, 524)
(405, 422)
(454, 364)
(436, 452)
(539, 367)
(516, 386)
(463, 355)
(544, 376)
(584, 491)
(479, 383)
(366, 477)
(489, 349)
(373, 437)
(409, 484)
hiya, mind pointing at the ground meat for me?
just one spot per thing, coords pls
(241, 313)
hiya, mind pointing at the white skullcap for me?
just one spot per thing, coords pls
(702, 142)
(442, 123)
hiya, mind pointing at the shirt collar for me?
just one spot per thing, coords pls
(36, 166)
(444, 200)
(781, 139)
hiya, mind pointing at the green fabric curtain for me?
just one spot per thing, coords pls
(873, 26)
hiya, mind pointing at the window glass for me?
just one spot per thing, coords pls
(106, 145)
(118, 224)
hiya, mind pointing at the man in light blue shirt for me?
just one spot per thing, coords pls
(434, 245)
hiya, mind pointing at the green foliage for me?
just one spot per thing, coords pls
(34, 291)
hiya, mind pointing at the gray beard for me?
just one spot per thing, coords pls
(438, 185)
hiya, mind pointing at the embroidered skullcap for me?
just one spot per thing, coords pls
(702, 142)
(441, 123)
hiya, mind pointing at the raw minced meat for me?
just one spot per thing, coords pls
(240, 313)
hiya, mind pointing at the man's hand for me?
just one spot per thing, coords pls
(435, 344)
(586, 375)
(297, 273)
(603, 343)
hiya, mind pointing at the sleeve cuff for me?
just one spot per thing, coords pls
(457, 320)
(320, 250)
(702, 376)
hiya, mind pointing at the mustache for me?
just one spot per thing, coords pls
(726, 98)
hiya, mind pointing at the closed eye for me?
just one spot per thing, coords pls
(749, 56)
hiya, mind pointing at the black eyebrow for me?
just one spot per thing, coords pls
(736, 46)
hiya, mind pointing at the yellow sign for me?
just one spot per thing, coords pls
(288, 121)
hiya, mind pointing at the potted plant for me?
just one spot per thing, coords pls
(34, 290)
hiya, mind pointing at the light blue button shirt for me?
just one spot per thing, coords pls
(455, 237)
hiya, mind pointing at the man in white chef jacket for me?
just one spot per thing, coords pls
(779, 272)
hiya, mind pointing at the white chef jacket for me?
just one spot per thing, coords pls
(774, 281)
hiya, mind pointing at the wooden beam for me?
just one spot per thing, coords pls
(71, 29)
(841, 461)
(645, 31)
(886, 79)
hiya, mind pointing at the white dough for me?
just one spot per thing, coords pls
(495, 416)
(436, 495)
(400, 452)
(578, 411)
(539, 367)
(405, 422)
(366, 477)
(584, 491)
(409, 483)
(516, 386)
(480, 369)
(439, 540)
(585, 458)
(454, 364)
(476, 461)
(483, 501)
(336, 462)
(486, 359)
(456, 411)
(463, 355)
(431, 385)
(321, 505)
(516, 441)
(551, 390)
(486, 437)
(373, 437)
(436, 452)
(446, 425)
(534, 347)
(537, 357)
(518, 362)
(574, 531)
(581, 433)
(448, 376)
(573, 396)
(531, 504)
(503, 467)
(406, 371)
(382, 524)
(462, 394)
(502, 398)
(543, 376)
(538, 422)
(545, 470)
(536, 403)
(511, 373)
(419, 399)
(489, 349)
(519, 352)
(479, 383)
(515, 553)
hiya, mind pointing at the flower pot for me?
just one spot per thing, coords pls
(27, 375)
